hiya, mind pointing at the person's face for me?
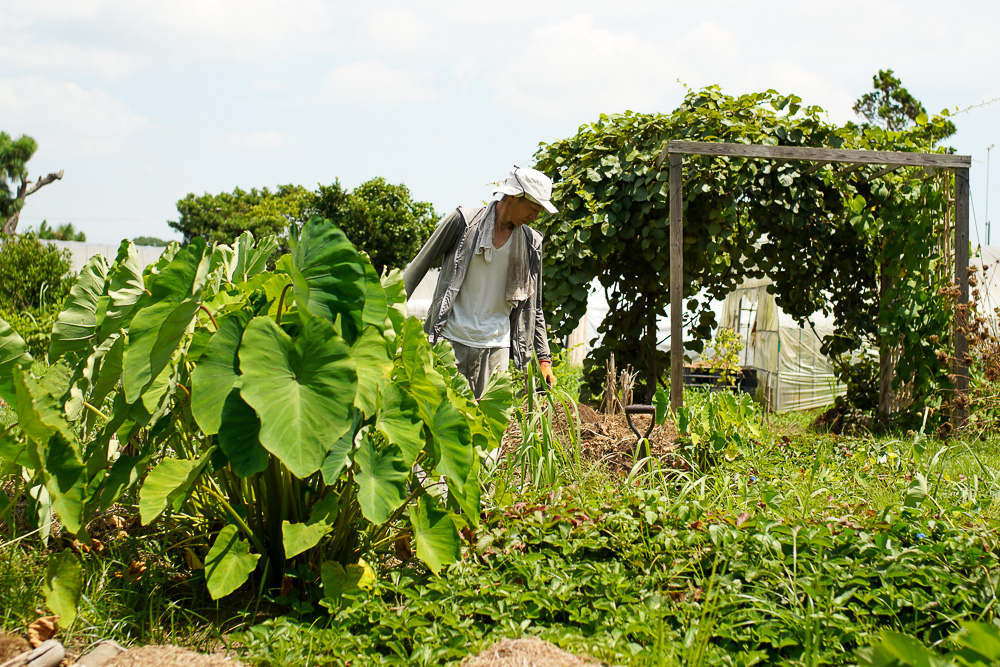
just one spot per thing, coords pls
(523, 210)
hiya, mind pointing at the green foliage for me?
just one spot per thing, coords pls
(723, 355)
(64, 232)
(891, 106)
(14, 156)
(282, 426)
(712, 424)
(978, 644)
(822, 235)
(32, 273)
(150, 241)
(34, 325)
(223, 217)
(379, 218)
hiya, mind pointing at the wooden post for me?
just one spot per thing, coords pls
(960, 414)
(676, 281)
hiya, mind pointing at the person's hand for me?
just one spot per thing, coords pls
(546, 368)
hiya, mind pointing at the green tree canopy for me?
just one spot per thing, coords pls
(64, 232)
(150, 241)
(821, 234)
(32, 272)
(223, 217)
(14, 183)
(379, 218)
(891, 106)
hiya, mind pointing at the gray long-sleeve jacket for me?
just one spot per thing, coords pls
(454, 241)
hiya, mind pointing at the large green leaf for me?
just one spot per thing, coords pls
(125, 472)
(395, 299)
(86, 375)
(371, 356)
(496, 404)
(13, 352)
(252, 259)
(299, 537)
(212, 380)
(65, 480)
(328, 274)
(76, 326)
(467, 498)
(39, 414)
(184, 276)
(167, 485)
(381, 478)
(434, 532)
(376, 308)
(453, 441)
(301, 388)
(63, 585)
(399, 422)
(239, 437)
(125, 288)
(155, 333)
(337, 459)
(229, 563)
(339, 579)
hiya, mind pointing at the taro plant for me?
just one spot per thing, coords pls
(712, 424)
(294, 417)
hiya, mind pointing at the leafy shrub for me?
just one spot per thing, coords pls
(295, 417)
(32, 273)
(34, 325)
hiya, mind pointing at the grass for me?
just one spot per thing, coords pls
(799, 551)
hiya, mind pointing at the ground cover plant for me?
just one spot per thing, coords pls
(800, 548)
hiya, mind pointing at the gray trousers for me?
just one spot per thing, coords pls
(478, 364)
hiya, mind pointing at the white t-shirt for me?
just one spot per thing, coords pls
(481, 315)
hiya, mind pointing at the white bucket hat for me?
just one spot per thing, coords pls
(531, 183)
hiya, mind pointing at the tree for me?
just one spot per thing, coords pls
(14, 156)
(223, 217)
(379, 218)
(892, 106)
(65, 232)
(32, 272)
(150, 241)
(820, 234)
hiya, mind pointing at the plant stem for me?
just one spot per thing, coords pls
(209, 313)
(281, 304)
(236, 518)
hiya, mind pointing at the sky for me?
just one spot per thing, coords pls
(144, 102)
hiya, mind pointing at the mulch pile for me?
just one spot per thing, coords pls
(527, 652)
(607, 439)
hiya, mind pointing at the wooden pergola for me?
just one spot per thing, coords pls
(888, 161)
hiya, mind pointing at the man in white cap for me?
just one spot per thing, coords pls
(488, 299)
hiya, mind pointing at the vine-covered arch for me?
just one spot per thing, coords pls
(673, 154)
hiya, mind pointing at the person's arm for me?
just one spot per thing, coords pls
(441, 241)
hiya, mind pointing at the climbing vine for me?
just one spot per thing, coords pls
(824, 235)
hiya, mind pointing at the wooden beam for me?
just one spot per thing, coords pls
(676, 281)
(849, 170)
(899, 158)
(960, 414)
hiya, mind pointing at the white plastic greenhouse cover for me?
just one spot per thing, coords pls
(792, 373)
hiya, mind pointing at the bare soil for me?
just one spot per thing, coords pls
(607, 439)
(156, 656)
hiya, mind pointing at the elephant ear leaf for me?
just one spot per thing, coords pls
(76, 326)
(13, 353)
(302, 389)
(328, 274)
(229, 563)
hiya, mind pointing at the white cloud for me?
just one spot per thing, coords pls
(65, 118)
(256, 140)
(24, 54)
(375, 83)
(577, 68)
(398, 30)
